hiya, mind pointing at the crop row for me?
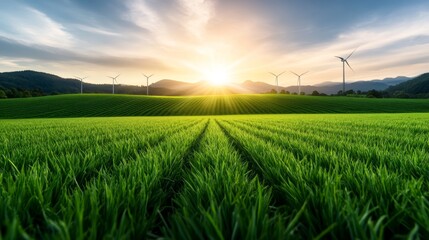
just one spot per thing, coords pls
(93, 105)
(232, 177)
(352, 185)
(102, 180)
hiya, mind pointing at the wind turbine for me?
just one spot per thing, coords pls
(81, 83)
(344, 61)
(147, 82)
(277, 80)
(299, 81)
(113, 82)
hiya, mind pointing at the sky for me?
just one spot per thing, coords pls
(194, 40)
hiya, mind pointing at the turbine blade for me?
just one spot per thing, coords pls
(294, 74)
(339, 58)
(351, 54)
(117, 76)
(349, 65)
(277, 75)
(304, 73)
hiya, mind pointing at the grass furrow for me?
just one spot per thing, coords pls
(409, 162)
(219, 200)
(331, 206)
(331, 176)
(38, 200)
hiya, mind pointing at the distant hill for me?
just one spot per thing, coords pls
(49, 84)
(258, 87)
(171, 84)
(199, 88)
(326, 87)
(393, 81)
(417, 87)
(364, 86)
(386, 81)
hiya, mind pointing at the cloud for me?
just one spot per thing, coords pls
(96, 30)
(178, 38)
(19, 52)
(30, 26)
(172, 24)
(141, 14)
(389, 45)
(197, 15)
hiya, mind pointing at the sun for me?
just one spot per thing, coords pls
(218, 75)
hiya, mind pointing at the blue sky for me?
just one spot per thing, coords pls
(193, 40)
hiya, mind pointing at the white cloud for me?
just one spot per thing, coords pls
(96, 30)
(30, 26)
(182, 22)
(190, 34)
(388, 46)
(140, 13)
(197, 15)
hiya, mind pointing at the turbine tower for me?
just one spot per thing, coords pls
(344, 61)
(147, 82)
(277, 80)
(81, 83)
(299, 81)
(113, 82)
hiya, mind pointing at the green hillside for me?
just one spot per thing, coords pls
(30, 83)
(47, 83)
(417, 87)
(125, 105)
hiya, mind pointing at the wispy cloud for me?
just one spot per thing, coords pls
(386, 46)
(174, 24)
(144, 16)
(30, 26)
(197, 14)
(178, 38)
(96, 30)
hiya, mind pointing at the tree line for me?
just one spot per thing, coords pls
(351, 93)
(20, 93)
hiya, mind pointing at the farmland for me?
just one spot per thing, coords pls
(99, 105)
(294, 176)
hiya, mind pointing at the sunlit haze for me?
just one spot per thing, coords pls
(219, 42)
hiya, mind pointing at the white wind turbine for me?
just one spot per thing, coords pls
(299, 81)
(147, 82)
(344, 61)
(81, 83)
(277, 80)
(113, 82)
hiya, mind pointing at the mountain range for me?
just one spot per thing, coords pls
(52, 84)
(200, 88)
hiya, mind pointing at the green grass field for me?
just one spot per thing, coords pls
(127, 105)
(333, 176)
